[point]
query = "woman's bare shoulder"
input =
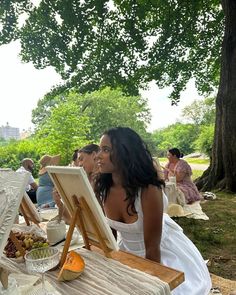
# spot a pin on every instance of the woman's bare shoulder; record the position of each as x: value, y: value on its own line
x: 151, y: 193
x: 152, y: 204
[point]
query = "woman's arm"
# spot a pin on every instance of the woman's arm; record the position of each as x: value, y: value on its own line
x: 65, y: 214
x: 152, y: 205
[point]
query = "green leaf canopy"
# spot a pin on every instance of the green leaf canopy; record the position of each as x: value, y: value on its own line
x: 78, y: 119
x: 97, y: 43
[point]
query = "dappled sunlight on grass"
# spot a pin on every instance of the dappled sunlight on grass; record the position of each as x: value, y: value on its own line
x: 197, y: 161
x: 216, y: 238
x: 189, y: 160
x: 196, y: 174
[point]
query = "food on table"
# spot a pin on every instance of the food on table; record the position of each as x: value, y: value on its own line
x: 27, y: 241
x: 72, y: 268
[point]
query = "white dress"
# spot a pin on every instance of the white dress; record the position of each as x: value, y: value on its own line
x: 177, y: 251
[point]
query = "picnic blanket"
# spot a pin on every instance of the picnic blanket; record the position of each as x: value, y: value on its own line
x: 177, y: 206
x: 187, y: 210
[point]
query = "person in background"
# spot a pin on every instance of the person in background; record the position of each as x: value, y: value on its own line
x: 130, y: 191
x: 74, y: 162
x: 45, y: 189
x: 182, y: 171
x: 86, y: 158
x: 27, y: 165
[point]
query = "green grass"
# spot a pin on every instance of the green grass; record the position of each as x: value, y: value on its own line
x: 189, y: 160
x: 163, y: 160
x: 216, y: 238
x: 198, y: 161
x: 196, y: 174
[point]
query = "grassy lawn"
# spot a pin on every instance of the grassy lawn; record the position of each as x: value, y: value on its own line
x: 189, y: 160
x: 198, y: 161
x: 216, y: 238
x: 196, y: 174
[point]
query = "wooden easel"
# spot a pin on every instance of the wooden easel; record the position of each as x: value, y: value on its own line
x: 4, y: 277
x: 27, y: 214
x: 78, y: 219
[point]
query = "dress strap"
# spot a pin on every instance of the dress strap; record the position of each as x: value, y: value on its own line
x: 138, y: 203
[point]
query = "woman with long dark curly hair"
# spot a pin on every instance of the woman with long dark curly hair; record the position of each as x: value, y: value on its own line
x: 131, y: 194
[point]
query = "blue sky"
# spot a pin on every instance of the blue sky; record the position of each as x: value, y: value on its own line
x: 22, y: 86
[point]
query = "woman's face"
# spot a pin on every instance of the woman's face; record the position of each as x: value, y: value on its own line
x: 171, y: 157
x: 104, y: 155
x: 87, y: 161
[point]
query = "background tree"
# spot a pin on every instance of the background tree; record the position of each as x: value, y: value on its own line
x: 98, y: 43
x: 177, y: 135
x: 204, y: 141
x: 104, y: 108
x: 63, y: 132
x: 15, y: 151
x: 222, y: 171
x: 78, y: 119
x: 200, y: 112
x: 3, y: 141
x: 128, y: 44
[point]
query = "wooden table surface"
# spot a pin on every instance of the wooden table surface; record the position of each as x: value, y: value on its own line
x: 169, y: 275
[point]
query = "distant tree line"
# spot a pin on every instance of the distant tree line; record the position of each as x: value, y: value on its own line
x: 195, y: 135
x: 74, y: 120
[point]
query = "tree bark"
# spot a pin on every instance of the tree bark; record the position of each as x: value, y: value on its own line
x: 222, y: 171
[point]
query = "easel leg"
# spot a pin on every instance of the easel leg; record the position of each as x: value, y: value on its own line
x: 96, y: 229
x: 4, y: 277
x: 25, y: 215
x: 81, y: 222
x: 68, y: 237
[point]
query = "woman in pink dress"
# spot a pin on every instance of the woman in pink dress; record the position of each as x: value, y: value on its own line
x: 182, y: 171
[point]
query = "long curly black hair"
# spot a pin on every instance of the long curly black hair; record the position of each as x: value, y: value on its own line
x: 134, y: 162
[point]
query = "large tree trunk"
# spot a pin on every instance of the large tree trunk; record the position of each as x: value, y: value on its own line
x: 222, y: 171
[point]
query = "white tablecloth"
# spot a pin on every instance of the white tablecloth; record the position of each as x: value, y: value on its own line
x: 102, y: 276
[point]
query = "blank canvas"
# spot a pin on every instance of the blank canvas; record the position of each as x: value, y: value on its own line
x: 71, y: 181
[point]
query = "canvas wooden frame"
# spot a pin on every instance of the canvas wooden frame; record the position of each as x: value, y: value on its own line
x: 29, y: 211
x: 27, y: 207
x: 12, y: 190
x: 12, y: 186
x: 78, y: 196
